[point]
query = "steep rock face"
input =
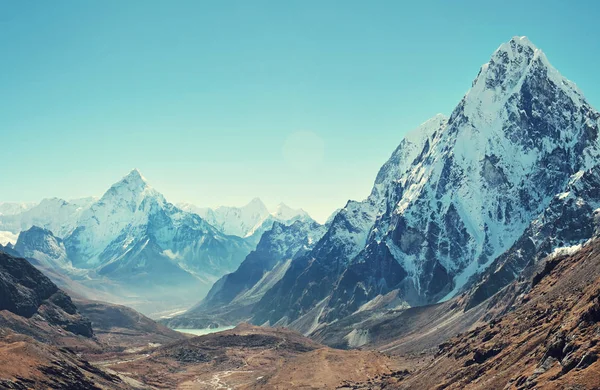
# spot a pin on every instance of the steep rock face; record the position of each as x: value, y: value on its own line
x: 572, y: 217
x: 43, y: 247
x: 458, y: 199
x: 282, y: 214
x: 509, y: 147
x: 25, y: 292
x: 280, y: 244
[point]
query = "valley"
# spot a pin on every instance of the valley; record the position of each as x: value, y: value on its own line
x: 474, y: 263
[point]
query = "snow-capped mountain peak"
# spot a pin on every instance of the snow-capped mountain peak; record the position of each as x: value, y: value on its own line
x: 508, y: 69
x: 256, y: 205
x: 127, y: 204
x: 455, y: 194
x: 131, y: 192
x: 133, y: 183
x: 250, y: 220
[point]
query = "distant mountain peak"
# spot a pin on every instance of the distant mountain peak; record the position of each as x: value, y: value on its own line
x: 258, y: 205
x: 132, y: 187
x: 135, y: 176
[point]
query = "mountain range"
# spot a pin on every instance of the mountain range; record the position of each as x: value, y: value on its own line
x: 464, y: 203
x: 249, y: 221
x: 133, y: 244
x: 473, y: 263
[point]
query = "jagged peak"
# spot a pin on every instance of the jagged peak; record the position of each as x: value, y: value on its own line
x: 132, y: 186
x: 516, y: 41
x: 283, y: 208
x: 509, y: 66
x: 135, y: 176
x: 132, y: 180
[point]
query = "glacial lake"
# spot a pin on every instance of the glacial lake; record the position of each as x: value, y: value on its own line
x: 202, y: 332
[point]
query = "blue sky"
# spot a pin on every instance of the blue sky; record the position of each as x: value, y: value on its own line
x: 217, y: 102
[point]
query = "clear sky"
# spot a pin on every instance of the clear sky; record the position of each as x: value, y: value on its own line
x: 217, y: 102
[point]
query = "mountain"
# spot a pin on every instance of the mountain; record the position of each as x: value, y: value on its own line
x: 48, y: 341
x: 134, y: 243
x: 12, y: 208
x: 27, y: 293
x: 567, y: 223
x: 456, y: 194
x: 231, y: 298
x: 116, y: 326
x: 44, y: 249
x: 237, y: 221
x: 54, y: 214
x: 314, y: 274
x: 541, y: 331
x: 133, y: 220
x: 249, y: 221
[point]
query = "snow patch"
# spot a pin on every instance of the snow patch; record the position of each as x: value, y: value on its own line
x: 8, y: 238
x: 357, y: 338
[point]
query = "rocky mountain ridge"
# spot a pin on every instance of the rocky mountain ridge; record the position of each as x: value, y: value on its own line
x: 456, y: 194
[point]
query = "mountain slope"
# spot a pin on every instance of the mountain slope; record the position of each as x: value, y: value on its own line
x: 540, y: 332
x: 570, y: 220
x: 36, y: 318
x: 231, y: 299
x: 311, y: 277
x: 12, y: 208
x: 25, y: 293
x: 462, y: 195
x: 44, y: 249
x: 133, y: 217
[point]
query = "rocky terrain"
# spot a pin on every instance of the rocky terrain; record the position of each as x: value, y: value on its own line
x: 120, y: 328
x: 443, y: 217
x: 473, y: 264
x: 48, y: 340
x: 540, y: 332
x: 40, y: 328
x: 31, y: 304
x: 250, y: 357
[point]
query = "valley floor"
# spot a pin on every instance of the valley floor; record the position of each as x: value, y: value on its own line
x: 246, y: 357
x: 540, y: 332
